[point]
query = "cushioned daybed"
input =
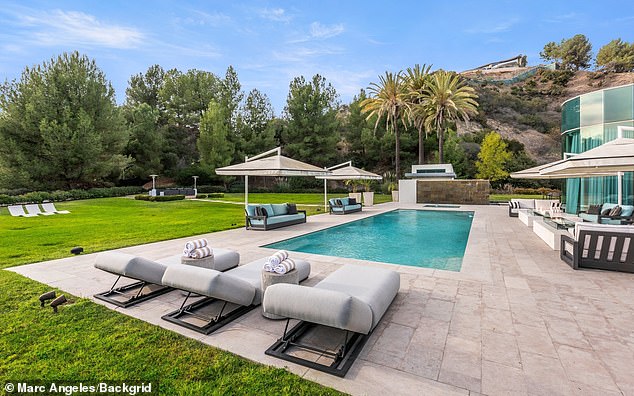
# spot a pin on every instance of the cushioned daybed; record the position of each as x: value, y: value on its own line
x: 352, y: 299
x: 148, y: 273
x: 270, y: 216
x: 343, y: 205
x: 228, y: 294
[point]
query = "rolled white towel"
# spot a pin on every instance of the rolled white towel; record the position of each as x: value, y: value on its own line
x: 196, y: 244
x: 203, y: 252
x: 268, y: 267
x: 186, y: 252
x: 287, y: 265
x: 277, y: 258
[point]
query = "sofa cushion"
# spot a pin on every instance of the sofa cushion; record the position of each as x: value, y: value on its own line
x: 279, y: 209
x: 284, y: 218
x: 345, y: 201
x: 251, y: 210
x: 593, y: 218
x: 351, y: 207
x: 269, y: 209
x: 627, y: 210
x: 594, y: 209
x: 525, y: 203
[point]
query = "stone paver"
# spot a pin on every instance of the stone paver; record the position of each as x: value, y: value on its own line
x: 515, y: 320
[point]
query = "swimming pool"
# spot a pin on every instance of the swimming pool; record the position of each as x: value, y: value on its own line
x: 419, y: 238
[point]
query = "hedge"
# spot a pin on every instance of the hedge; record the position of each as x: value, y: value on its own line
x: 160, y: 198
x: 56, y: 196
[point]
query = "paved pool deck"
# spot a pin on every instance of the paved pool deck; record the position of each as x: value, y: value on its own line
x: 516, y: 320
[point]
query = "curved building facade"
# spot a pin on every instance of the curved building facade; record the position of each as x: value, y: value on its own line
x: 588, y: 121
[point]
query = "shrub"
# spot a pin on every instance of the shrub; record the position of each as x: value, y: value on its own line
x: 163, y: 198
x: 7, y: 199
x: 201, y: 196
x: 216, y: 195
x: 212, y: 189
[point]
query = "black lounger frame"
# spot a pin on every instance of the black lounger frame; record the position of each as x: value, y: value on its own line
x: 135, y: 299
x: 346, y: 354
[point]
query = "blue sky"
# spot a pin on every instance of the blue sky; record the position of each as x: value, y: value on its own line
x: 269, y: 43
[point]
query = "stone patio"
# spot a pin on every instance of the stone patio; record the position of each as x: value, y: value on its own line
x: 515, y: 320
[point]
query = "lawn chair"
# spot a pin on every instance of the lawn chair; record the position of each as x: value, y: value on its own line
x: 18, y: 211
x: 34, y: 209
x: 50, y: 208
x: 352, y: 300
x: 599, y: 246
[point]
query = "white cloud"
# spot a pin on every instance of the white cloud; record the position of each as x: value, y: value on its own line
x: 562, y: 18
x: 317, y: 30
x: 303, y: 53
x: 205, y: 18
x: 493, y: 28
x: 59, y: 27
x: 275, y: 14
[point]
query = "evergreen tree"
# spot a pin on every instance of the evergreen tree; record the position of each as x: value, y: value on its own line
x: 145, y: 88
x: 311, y: 111
x: 255, y: 116
x: 617, y: 56
x: 216, y: 150
x: 60, y: 125
x: 574, y: 53
x: 146, y: 142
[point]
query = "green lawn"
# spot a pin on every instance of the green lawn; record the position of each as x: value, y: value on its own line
x: 89, y: 342
x: 508, y: 197
x: 300, y: 199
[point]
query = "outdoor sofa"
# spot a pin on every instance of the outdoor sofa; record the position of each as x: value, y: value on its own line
x: 600, y: 214
x: 599, y: 246
x: 270, y: 216
x: 353, y: 299
x: 343, y: 205
x: 540, y: 206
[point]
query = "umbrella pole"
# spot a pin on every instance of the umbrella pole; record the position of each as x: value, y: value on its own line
x: 619, y: 181
x: 246, y: 191
x: 325, y: 196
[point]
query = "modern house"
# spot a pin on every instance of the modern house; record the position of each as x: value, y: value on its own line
x: 588, y: 121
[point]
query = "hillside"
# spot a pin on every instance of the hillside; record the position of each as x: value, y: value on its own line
x: 530, y: 111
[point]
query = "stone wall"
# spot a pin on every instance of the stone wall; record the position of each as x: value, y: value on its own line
x: 473, y: 192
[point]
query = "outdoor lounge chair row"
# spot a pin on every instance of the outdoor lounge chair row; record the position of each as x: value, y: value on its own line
x: 352, y: 300
x: 32, y: 210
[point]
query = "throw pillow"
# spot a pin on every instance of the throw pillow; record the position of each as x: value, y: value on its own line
x: 594, y: 209
x: 352, y: 201
x: 292, y: 208
x: 338, y: 202
x: 606, y: 212
x: 258, y: 211
x: 264, y: 212
x: 616, y: 211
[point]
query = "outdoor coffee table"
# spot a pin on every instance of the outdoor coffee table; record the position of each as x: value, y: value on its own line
x: 550, y: 230
x: 272, y: 278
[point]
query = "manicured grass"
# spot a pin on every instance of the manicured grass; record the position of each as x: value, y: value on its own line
x: 102, y: 224
x: 508, y: 197
x: 88, y: 342
x: 299, y: 198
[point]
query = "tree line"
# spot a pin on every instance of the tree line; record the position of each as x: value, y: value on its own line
x: 575, y: 53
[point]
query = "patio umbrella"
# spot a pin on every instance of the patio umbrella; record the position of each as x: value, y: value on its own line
x: 611, y: 158
x: 266, y: 165
x: 345, y: 171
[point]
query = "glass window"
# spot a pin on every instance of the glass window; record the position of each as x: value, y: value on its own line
x: 619, y: 104
x: 571, y: 142
x: 591, y: 137
x: 611, y: 131
x: 570, y: 115
x: 591, y: 106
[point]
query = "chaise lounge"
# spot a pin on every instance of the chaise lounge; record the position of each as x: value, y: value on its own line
x: 352, y: 299
x: 229, y: 294
x: 148, y: 274
x: 343, y: 205
x: 270, y: 216
x: 599, y: 246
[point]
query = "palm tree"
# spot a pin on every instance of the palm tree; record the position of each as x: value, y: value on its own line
x: 415, y: 81
x: 445, y: 99
x: 387, y: 98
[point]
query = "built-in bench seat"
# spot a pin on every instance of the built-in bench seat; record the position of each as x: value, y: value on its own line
x: 343, y: 205
x: 270, y: 216
x: 542, y: 207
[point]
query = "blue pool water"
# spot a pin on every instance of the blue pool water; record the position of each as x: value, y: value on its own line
x: 419, y: 238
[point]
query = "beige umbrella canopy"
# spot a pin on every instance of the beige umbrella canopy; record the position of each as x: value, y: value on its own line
x: 265, y: 165
x: 612, y: 157
x: 345, y: 171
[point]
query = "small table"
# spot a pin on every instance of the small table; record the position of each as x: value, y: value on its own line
x: 527, y: 216
x: 559, y: 223
x: 272, y: 278
x: 551, y: 230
